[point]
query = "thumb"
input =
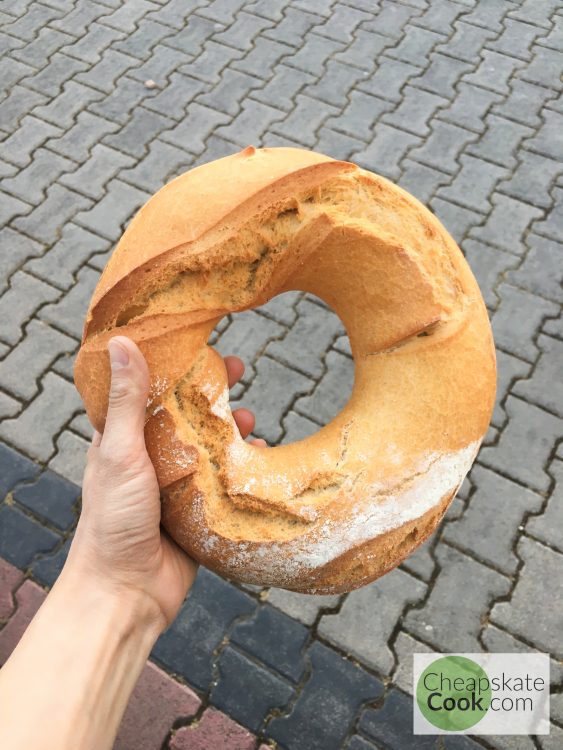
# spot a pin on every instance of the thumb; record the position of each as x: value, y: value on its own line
x: 128, y: 394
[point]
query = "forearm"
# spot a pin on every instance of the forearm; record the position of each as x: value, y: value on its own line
x: 68, y: 681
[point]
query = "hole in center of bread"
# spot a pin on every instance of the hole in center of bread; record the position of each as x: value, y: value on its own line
x: 299, y: 367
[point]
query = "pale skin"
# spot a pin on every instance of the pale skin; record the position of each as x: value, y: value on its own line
x: 68, y: 681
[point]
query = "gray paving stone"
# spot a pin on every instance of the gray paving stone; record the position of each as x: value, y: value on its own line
x: 296, y: 427
x: 335, y: 85
x: 38, y: 51
x: 20, y: 301
x: 359, y: 115
x: 251, y: 123
x: 304, y: 120
x: 315, y: 325
x: 457, y: 219
x: 342, y: 23
x: 269, y: 9
x: 545, y: 386
x: 541, y: 272
x: 364, y: 50
x: 415, y: 46
x: 280, y: 91
x: 552, y: 225
x: 514, y: 30
x: 92, y: 177
x: 313, y: 55
x: 535, y: 13
x: 473, y: 184
x: 174, y: 13
x: 26, y: 363
x: 470, y: 106
x: 246, y: 26
x: 262, y: 58
x: 421, y: 562
x: 247, y: 336
x: 386, y: 150
x: 126, y: 95
x: 228, y: 94
x: 30, y: 23
x: 333, y: 391
x: 493, y: 521
x: 294, y: 26
x: 222, y: 12
x: 32, y: 133
x: 12, y: 72
x: 525, y: 445
x: 506, y: 225
x: 498, y: 640
x: 160, y: 65
x: 337, y: 145
x: 524, y: 102
x: 392, y: 19
x: 191, y: 37
x: 545, y: 68
x: 404, y: 648
x: 108, y: 215
x: 91, y: 46
x: 18, y: 103
x: 32, y: 432
x: 17, y: 249
x: 80, y: 17
x: 78, y: 141
x: 450, y: 622
x: 194, y: 129
x: 389, y: 79
x: 69, y: 312
x: 420, y: 180
x: 126, y: 18
x: 367, y: 618
x: 142, y: 128
x: 31, y: 182
x: 67, y: 255
x: 539, y: 588
x: 11, y: 207
x: 63, y: 108
x: 553, y: 39
x: 282, y: 308
x: 524, y: 312
x: 162, y: 163
x: 547, y: 527
x: 214, y: 58
x: 489, y: 15
x: 509, y: 369
x: 276, y: 386
x: 51, y: 79
x: 174, y: 97
x: 60, y: 205
x: 141, y: 42
x: 415, y: 110
x: 9, y: 406
x: 442, y: 75
x: 103, y: 75
x: 488, y: 265
x: 467, y: 42
x: 500, y: 141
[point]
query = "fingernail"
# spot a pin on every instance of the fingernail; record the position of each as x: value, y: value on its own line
x: 118, y: 356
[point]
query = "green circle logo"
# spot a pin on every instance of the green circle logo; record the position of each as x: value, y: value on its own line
x: 453, y: 693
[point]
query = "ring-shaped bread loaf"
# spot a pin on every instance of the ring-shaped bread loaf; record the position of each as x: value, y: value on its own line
x: 340, y: 508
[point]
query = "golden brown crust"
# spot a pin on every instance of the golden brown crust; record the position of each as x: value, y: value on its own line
x: 336, y: 510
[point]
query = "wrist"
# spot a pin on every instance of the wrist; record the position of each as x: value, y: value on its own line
x: 130, y: 610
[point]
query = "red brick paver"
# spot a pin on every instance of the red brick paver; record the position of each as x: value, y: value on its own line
x: 29, y: 598
x: 214, y: 731
x: 157, y: 702
x: 10, y: 579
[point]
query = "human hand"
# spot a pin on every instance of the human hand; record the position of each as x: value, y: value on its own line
x: 118, y: 539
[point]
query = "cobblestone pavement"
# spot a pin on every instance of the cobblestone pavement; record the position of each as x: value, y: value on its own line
x: 457, y: 101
